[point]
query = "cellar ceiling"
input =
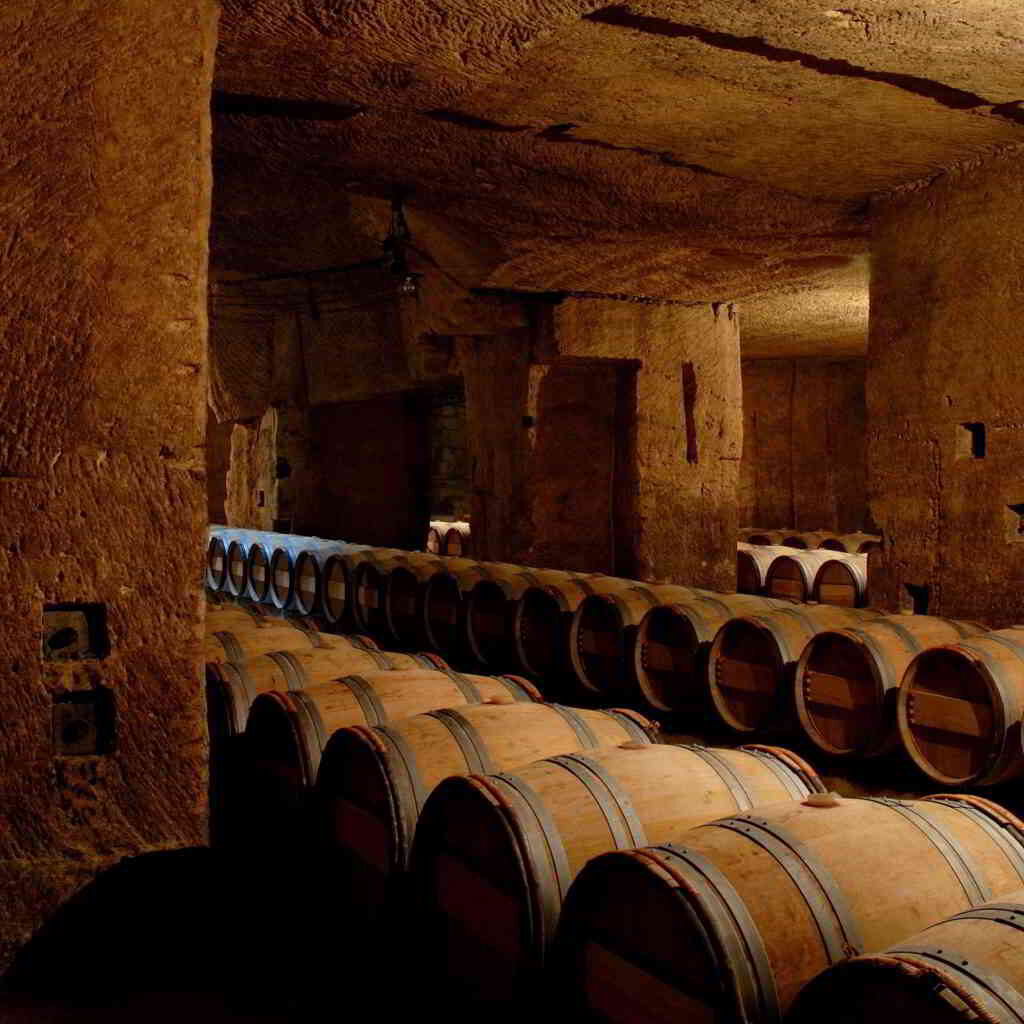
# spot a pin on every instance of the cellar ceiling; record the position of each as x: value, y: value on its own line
x: 699, y: 151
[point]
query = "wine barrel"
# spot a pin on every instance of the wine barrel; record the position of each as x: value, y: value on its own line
x: 490, y: 611
x: 847, y: 680
x: 543, y: 619
x: 284, y: 563
x: 336, y: 581
x: 792, y: 575
x: 959, y: 709
x: 368, y: 577
x: 853, y: 543
x: 752, y: 564
x: 242, y: 642
x: 602, y: 636
x: 795, y: 540
x: 732, y: 922
x: 673, y: 643
x: 403, y: 598
x: 752, y: 662
x: 236, y: 582
x: 373, y: 782
x: 290, y: 728
x: 257, y: 569
x: 231, y: 687
x: 771, y: 538
x: 444, y: 601
x: 238, y: 616
x: 494, y: 854
x: 434, y: 544
x: 310, y: 568
x: 216, y: 563
x: 968, y: 967
x: 842, y: 581
x: 457, y: 540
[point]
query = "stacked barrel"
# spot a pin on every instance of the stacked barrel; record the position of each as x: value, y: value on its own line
x: 528, y: 842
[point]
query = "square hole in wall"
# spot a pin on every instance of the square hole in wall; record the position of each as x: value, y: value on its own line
x: 75, y: 631
x: 970, y: 441
x: 83, y: 722
x: 916, y: 598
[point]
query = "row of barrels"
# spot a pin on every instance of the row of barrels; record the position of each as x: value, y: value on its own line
x: 642, y: 880
x: 444, y: 538
x: 857, y: 682
x: 851, y: 543
x: 823, y: 576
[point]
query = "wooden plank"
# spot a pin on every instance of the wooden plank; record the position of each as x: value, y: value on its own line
x: 828, y: 690
x: 745, y: 677
x: 949, y: 714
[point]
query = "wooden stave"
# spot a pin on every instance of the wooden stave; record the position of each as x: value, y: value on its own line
x: 624, y: 817
x: 781, y: 636
x: 703, y: 615
x: 957, y: 847
x: 317, y: 712
x: 752, y: 564
x: 806, y: 563
x: 381, y: 752
x: 856, y: 570
x: 447, y: 589
x: 997, y: 658
x: 887, y: 645
x: 276, y: 635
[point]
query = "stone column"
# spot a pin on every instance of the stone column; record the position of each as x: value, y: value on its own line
x: 104, y: 212
x: 945, y: 365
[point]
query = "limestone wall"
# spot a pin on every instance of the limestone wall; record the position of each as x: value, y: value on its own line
x: 804, y: 444
x: 103, y: 341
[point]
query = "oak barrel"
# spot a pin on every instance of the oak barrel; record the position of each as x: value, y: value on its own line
x: 968, y: 967
x: 847, y: 680
x: 491, y: 607
x: 216, y: 563
x: 275, y: 634
x: 543, y: 619
x: 752, y: 564
x: 373, y: 782
x: 772, y: 538
x: 457, y: 540
x: 603, y: 633
x: 231, y: 687
x: 791, y: 575
x: 731, y: 923
x: 673, y: 643
x: 842, y: 580
x: 290, y: 728
x: 434, y: 544
x: 959, y: 709
x: 444, y: 602
x: 402, y: 595
x: 494, y: 855
x: 853, y: 543
x: 752, y: 663
x: 236, y: 582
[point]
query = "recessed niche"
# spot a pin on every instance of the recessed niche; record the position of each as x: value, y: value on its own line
x: 970, y: 441
x: 916, y: 598
x: 75, y: 631
x: 83, y: 722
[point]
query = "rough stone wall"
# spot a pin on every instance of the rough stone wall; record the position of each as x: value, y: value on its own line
x: 218, y: 459
x: 102, y: 336
x: 804, y: 444
x: 688, y: 429
x: 373, y: 458
x: 946, y: 348
x: 252, y: 500
x: 448, y: 489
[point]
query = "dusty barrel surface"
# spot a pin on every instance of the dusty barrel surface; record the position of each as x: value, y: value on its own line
x: 969, y: 967
x: 602, y: 636
x: 673, y: 643
x: 751, y: 667
x: 960, y: 707
x: 491, y: 606
x: 374, y: 782
x: 853, y: 543
x: 847, y: 680
x: 290, y: 728
x: 403, y: 593
x: 744, y: 911
x: 842, y: 580
x: 232, y: 687
x: 495, y: 854
x: 240, y: 616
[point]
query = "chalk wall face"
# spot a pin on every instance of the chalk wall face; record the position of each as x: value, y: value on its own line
x: 945, y: 365
x: 103, y: 340
x: 804, y: 444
